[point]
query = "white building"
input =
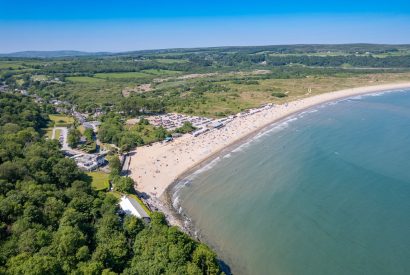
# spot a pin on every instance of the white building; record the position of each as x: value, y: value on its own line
x: 132, y: 207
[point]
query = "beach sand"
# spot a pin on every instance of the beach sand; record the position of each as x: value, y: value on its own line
x: 154, y: 168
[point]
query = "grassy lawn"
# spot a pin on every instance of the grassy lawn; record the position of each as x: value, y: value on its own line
x: 57, y: 134
x: 61, y: 120
x: 100, y: 180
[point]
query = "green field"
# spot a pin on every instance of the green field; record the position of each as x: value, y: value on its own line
x: 158, y: 72
x: 121, y: 75
x: 149, y: 73
x: 100, y: 180
x: 61, y: 120
x: 84, y: 79
x: 11, y: 65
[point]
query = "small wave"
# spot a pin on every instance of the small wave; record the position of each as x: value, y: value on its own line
x: 272, y: 128
x: 227, y: 156
x: 376, y: 94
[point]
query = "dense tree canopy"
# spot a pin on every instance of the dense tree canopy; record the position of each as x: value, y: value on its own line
x: 53, y: 222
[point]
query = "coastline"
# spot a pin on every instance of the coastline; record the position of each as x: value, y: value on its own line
x: 184, y: 156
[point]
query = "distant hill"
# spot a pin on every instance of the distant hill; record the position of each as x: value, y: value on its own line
x: 359, y: 48
x: 51, y: 54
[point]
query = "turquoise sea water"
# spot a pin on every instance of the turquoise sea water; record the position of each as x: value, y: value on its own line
x: 325, y: 192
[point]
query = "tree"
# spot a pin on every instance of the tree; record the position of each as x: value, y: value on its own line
x: 132, y: 226
x: 187, y: 127
x: 36, y: 264
x: 89, y: 134
x: 91, y: 268
x: 66, y: 171
x: 53, y: 222
x: 205, y: 259
x: 123, y: 184
x: 67, y: 241
x: 143, y: 121
x: 115, y: 165
x: 160, y: 133
x: 74, y: 137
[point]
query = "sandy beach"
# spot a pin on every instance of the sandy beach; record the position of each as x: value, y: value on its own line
x: 154, y: 168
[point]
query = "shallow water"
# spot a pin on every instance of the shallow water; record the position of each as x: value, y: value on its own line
x: 327, y: 192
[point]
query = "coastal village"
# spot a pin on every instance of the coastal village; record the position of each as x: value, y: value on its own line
x: 204, y: 138
x: 156, y: 166
x: 97, y: 162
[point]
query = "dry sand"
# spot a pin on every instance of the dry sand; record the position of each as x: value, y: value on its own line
x: 156, y: 167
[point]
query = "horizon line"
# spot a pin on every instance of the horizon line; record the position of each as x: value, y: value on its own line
x: 202, y: 47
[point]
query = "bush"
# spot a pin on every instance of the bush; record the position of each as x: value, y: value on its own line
x: 279, y: 94
x: 187, y: 127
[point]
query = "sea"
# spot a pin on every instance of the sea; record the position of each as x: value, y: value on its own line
x: 326, y: 191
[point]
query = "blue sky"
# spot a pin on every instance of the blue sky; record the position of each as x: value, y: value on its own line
x: 108, y: 25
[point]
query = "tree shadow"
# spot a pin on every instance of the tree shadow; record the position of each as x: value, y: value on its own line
x: 125, y: 173
x: 224, y: 267
x: 143, y: 195
x: 86, y: 178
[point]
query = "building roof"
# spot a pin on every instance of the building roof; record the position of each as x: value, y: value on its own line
x: 131, y: 206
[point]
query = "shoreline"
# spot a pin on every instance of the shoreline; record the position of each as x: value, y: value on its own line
x: 197, y: 152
